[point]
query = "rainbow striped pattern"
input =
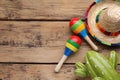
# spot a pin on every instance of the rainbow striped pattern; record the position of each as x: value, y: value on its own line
x: 72, y: 45
x: 102, y: 30
x: 92, y: 34
x: 78, y: 27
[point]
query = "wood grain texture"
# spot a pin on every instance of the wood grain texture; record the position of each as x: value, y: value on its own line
x: 38, y: 72
x: 39, y: 42
x: 38, y: 34
x: 43, y: 9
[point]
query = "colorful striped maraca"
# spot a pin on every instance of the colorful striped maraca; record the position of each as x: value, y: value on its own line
x: 72, y: 46
x: 78, y: 27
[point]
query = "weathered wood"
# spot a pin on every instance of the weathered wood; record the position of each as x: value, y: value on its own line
x: 35, y: 40
x: 38, y: 72
x: 44, y: 54
x: 43, y: 9
x: 39, y: 42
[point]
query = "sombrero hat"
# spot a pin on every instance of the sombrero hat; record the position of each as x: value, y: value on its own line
x: 103, y: 21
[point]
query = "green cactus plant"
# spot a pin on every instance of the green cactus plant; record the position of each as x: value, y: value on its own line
x: 118, y: 0
x: 98, y: 67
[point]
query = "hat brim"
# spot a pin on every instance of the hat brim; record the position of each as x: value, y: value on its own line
x: 91, y: 14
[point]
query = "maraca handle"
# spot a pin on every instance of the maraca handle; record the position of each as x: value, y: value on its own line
x: 98, y: 1
x: 60, y: 63
x: 91, y: 43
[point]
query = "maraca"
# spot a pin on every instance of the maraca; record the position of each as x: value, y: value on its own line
x: 72, y: 46
x: 78, y: 27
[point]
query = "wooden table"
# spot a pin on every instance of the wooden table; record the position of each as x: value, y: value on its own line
x: 33, y: 35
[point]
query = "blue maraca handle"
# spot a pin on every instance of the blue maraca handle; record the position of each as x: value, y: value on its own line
x: 68, y: 52
x: 83, y: 33
x: 97, y: 1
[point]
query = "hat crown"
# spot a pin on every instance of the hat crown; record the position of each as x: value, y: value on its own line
x: 110, y: 18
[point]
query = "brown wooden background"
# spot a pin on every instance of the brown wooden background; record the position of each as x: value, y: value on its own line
x: 33, y: 35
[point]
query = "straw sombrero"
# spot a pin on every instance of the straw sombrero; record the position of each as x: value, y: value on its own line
x: 103, y: 21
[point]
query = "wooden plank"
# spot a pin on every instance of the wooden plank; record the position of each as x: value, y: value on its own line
x: 45, y: 54
x: 38, y: 72
x: 43, y: 9
x: 39, y: 42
